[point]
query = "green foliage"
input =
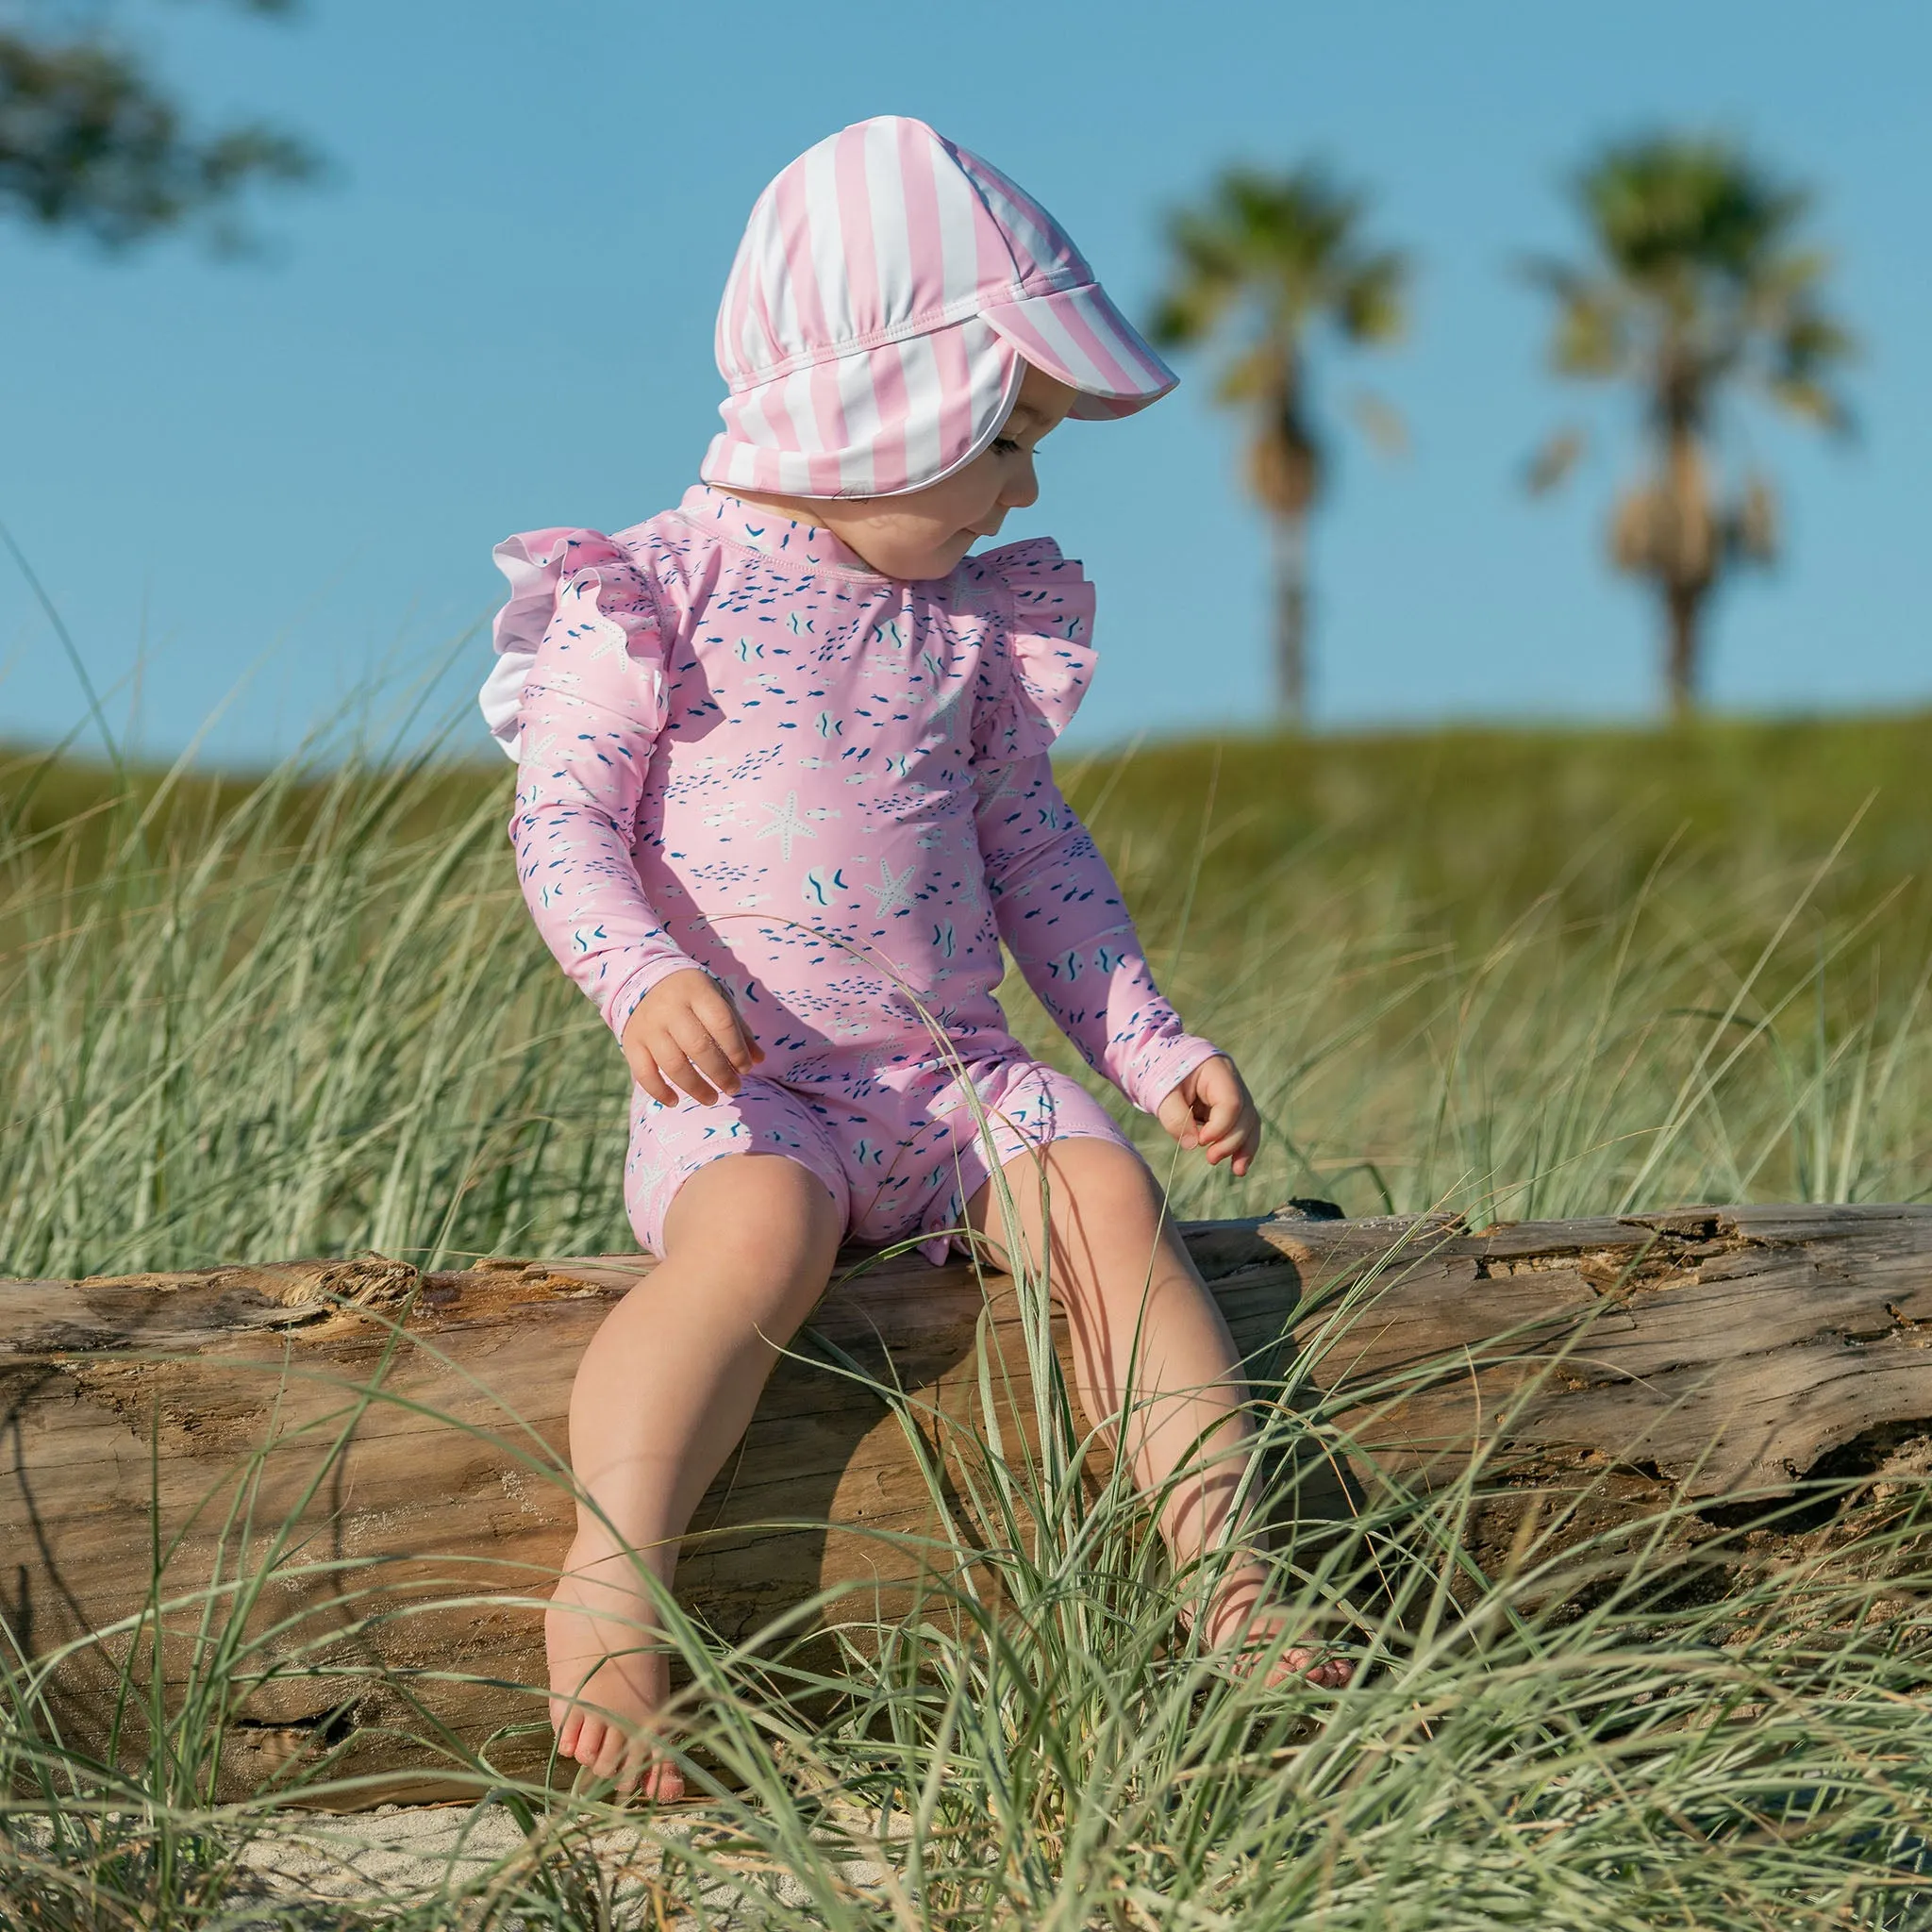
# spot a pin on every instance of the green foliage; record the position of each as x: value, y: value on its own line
x: 1287, y: 250
x: 1256, y: 269
x: 1551, y: 972
x: 89, y: 142
x: 1698, y: 275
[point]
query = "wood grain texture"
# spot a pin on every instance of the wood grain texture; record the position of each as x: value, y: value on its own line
x: 409, y: 1426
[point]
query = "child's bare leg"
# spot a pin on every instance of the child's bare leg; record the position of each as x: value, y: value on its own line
x: 1111, y: 1248
x: 662, y: 1394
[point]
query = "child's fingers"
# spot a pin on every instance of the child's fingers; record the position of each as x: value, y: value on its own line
x: 667, y: 1057
x: 705, y: 1053
x: 676, y: 1065
x: 1177, y: 1117
x: 1238, y: 1154
x: 1237, y: 1125
x: 643, y: 1070
x: 1224, y: 1119
x: 1237, y: 1148
x: 720, y: 1019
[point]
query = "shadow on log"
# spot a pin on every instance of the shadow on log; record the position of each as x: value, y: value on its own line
x: 361, y: 1457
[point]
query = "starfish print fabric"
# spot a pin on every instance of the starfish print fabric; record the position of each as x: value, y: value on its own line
x: 741, y: 749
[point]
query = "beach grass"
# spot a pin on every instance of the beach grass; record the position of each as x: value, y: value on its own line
x: 1541, y: 972
x: 1508, y: 973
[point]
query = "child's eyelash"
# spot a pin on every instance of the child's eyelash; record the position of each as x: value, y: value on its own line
x: 1006, y: 445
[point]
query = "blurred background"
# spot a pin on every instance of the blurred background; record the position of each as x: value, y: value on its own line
x: 247, y: 484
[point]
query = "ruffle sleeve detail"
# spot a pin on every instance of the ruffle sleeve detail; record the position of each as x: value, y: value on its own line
x: 1043, y: 605
x: 590, y: 590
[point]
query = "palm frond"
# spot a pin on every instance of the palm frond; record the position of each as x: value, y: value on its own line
x: 1368, y: 305
x: 1665, y: 205
x: 1259, y: 374
x: 1554, y: 460
x: 1260, y: 262
x: 1753, y: 527
x: 1592, y: 333
x: 1813, y: 403
x: 1380, y: 422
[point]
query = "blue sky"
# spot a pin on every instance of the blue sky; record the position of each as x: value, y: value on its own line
x: 264, y: 482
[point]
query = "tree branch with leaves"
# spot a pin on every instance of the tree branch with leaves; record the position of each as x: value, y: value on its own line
x: 91, y: 143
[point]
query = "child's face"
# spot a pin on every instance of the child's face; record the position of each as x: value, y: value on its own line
x: 926, y: 532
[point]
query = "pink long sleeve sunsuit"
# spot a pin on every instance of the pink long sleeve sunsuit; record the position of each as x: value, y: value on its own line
x: 744, y: 750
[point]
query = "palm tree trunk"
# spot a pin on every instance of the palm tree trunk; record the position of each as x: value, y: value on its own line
x: 1684, y: 608
x: 1691, y: 561
x: 1290, y: 545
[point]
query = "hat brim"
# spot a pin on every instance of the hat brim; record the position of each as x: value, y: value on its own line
x: 1078, y: 336
x: 898, y: 416
x: 882, y: 421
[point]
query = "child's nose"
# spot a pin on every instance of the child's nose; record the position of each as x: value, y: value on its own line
x: 1021, y: 490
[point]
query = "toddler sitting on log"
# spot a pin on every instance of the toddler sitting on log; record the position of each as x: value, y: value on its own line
x: 783, y: 789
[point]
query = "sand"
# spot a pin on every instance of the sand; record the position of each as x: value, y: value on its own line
x: 400, y: 1854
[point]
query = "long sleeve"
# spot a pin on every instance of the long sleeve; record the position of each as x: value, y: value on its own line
x: 590, y: 708
x: 1058, y: 909
x: 1061, y: 917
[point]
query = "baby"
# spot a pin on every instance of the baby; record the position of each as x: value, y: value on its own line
x: 783, y: 787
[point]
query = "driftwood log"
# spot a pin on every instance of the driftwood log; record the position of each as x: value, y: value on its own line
x: 409, y: 1426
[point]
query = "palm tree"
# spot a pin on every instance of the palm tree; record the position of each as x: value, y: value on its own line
x: 1698, y: 284
x: 1261, y: 264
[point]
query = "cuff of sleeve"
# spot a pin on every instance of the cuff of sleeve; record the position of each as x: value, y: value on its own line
x: 1163, y: 1067
x: 632, y: 988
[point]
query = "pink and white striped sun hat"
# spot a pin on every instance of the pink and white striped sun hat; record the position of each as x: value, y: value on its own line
x: 889, y: 291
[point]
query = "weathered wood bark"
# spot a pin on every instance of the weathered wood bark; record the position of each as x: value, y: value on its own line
x: 411, y: 1427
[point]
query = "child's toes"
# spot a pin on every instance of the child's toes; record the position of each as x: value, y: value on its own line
x: 1330, y: 1672
x: 615, y: 1757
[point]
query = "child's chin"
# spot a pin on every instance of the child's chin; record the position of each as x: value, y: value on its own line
x: 941, y: 562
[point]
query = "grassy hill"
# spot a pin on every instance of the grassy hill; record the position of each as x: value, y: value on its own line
x: 1546, y: 970
x: 1481, y: 820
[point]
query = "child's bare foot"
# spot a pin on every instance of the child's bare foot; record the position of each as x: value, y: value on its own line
x: 608, y: 1680
x: 1240, y: 1621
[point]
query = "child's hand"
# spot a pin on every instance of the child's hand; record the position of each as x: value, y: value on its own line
x: 1210, y: 1109
x: 686, y: 1033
